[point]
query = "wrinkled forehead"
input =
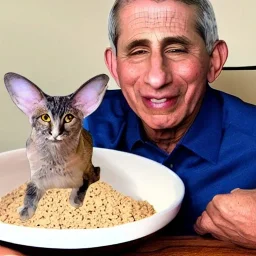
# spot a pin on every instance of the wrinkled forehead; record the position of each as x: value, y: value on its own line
x: 173, y: 16
x: 154, y: 18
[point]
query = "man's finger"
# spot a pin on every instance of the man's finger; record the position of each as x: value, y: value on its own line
x: 219, y: 216
x: 204, y: 225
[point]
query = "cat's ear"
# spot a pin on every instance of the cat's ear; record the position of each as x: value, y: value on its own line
x: 89, y: 96
x: 25, y: 94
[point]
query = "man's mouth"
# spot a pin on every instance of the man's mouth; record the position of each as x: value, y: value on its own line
x: 163, y: 103
x: 158, y: 100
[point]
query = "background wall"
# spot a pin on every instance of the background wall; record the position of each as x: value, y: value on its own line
x: 236, y: 23
x: 60, y: 44
x: 57, y: 44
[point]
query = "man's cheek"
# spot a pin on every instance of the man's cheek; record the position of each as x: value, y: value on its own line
x: 129, y: 76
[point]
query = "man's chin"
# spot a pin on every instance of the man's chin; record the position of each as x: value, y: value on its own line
x: 160, y: 123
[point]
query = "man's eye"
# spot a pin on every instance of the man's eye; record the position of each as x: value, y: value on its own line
x: 139, y: 52
x: 176, y: 50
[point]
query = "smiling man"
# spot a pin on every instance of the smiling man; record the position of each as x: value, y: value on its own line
x: 163, y: 56
x: 161, y: 66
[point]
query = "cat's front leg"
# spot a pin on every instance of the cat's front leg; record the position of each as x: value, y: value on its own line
x: 77, y: 194
x: 32, y: 197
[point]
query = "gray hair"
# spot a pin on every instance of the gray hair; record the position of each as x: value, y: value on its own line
x: 206, y: 24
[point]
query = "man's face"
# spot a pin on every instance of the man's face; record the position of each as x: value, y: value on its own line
x: 162, y: 62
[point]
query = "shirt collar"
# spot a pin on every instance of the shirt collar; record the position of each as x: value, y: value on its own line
x: 204, y: 136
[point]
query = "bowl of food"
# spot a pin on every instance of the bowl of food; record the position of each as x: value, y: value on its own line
x: 134, y: 198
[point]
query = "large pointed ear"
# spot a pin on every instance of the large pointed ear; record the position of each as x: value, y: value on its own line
x: 25, y: 94
x: 89, y: 96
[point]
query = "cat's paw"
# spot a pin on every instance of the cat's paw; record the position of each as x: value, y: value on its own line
x: 76, y: 198
x: 75, y: 201
x: 25, y: 212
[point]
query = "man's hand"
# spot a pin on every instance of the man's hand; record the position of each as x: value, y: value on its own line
x: 8, y: 252
x: 231, y: 217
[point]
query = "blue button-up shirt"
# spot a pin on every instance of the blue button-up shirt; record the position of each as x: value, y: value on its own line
x: 216, y: 155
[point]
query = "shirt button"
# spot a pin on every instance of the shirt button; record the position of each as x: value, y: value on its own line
x: 171, y: 166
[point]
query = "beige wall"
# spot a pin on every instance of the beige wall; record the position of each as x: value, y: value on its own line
x: 59, y: 44
x: 236, y: 22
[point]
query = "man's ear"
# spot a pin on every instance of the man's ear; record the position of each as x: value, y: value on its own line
x: 111, y: 63
x: 218, y: 58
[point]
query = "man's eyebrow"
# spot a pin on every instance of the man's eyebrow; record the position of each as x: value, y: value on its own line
x: 176, y: 40
x: 138, y: 42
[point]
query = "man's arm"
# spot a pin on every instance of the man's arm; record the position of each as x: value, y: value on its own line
x: 231, y: 217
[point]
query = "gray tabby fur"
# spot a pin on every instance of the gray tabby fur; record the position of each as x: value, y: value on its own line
x: 59, y: 152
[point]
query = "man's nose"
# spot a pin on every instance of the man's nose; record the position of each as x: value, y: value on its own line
x: 158, y: 73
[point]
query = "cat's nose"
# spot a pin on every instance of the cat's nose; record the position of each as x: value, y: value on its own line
x: 55, y: 133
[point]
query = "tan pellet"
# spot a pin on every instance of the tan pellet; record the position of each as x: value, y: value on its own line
x: 103, y: 207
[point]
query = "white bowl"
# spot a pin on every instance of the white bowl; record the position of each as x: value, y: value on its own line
x: 129, y: 174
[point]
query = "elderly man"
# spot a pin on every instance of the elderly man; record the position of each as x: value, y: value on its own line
x: 163, y: 56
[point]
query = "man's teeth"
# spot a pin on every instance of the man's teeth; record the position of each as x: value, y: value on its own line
x: 158, y: 101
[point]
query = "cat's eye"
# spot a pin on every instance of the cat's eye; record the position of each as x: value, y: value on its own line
x: 68, y: 118
x: 46, y: 118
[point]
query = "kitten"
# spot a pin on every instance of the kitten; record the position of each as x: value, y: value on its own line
x: 59, y: 150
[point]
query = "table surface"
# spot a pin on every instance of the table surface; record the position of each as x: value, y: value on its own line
x: 156, y: 245
x: 188, y: 246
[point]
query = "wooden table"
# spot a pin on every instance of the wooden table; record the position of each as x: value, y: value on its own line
x: 188, y: 246
x: 156, y: 245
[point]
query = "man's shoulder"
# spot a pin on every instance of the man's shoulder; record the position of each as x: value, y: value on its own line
x: 239, y: 114
x: 107, y: 122
x: 114, y: 94
x: 112, y: 105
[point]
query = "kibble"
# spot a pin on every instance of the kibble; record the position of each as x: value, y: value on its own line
x: 103, y: 207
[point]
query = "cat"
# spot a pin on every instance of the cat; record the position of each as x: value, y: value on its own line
x: 59, y: 149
